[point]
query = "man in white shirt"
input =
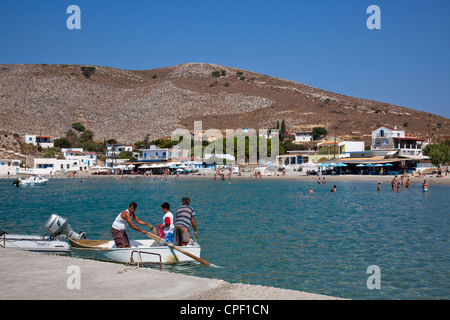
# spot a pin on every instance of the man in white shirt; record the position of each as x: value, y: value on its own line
x: 167, y: 226
x: 120, y: 223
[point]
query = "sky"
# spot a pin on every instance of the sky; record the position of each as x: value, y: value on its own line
x: 322, y: 43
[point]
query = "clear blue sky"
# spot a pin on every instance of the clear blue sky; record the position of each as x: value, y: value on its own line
x: 322, y: 43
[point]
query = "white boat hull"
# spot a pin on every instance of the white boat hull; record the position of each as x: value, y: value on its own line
x: 34, y: 243
x: 31, y: 181
x: 142, y: 252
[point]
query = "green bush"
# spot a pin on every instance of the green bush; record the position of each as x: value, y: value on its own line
x: 88, y: 71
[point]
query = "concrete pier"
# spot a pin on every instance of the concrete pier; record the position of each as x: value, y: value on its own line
x: 37, y: 276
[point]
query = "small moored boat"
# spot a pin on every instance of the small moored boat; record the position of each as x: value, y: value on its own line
x: 146, y: 251
x: 34, y: 243
x: 31, y: 181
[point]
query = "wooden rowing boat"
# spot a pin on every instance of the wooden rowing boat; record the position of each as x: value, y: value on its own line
x: 142, y: 251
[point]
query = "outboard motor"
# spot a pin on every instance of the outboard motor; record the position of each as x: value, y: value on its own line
x: 57, y: 225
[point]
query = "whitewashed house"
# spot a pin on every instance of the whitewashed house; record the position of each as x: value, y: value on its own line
x: 303, y: 136
x: 52, y: 165
x: 113, y: 150
x: 154, y: 154
x: 395, y: 140
x: 43, y: 141
x: 86, y: 159
x: 9, y: 167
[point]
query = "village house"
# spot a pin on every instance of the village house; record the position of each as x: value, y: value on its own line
x: 87, y: 159
x: 113, y: 150
x: 42, y: 141
x: 9, y: 167
x: 335, y: 148
x: 53, y: 165
x: 395, y: 140
x: 303, y: 136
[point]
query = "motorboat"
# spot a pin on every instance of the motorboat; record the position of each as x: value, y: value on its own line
x: 57, y: 226
x: 34, y: 243
x: 147, y: 251
x: 31, y: 181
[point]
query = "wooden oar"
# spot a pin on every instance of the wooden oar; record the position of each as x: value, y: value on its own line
x: 162, y: 241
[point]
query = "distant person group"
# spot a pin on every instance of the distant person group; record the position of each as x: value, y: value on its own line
x: 172, y: 231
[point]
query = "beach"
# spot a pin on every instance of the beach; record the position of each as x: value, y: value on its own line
x: 289, y: 175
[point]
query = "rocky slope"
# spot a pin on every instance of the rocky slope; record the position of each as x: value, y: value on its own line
x: 127, y: 105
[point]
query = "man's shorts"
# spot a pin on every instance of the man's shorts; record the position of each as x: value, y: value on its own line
x: 120, y: 238
x: 169, y: 237
x: 181, y: 235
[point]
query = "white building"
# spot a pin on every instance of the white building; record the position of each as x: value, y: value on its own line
x: 395, y: 140
x: 87, y: 159
x: 10, y: 166
x: 113, y: 150
x: 52, y: 165
x: 154, y: 154
x: 303, y: 136
x: 43, y: 141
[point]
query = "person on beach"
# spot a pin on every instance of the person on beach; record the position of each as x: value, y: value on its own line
x: 324, y: 181
x: 379, y: 186
x: 425, y: 186
x: 185, y: 218
x: 167, y: 227
x: 398, y: 186
x: 120, y: 223
x: 407, y: 184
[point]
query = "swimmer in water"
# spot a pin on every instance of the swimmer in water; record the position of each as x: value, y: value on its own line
x: 425, y: 186
x: 379, y: 186
x: 311, y: 190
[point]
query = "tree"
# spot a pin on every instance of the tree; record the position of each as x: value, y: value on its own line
x: 87, y: 135
x: 62, y: 143
x: 78, y: 126
x: 439, y: 153
x: 282, y: 130
x: 88, y: 71
x: 319, y: 132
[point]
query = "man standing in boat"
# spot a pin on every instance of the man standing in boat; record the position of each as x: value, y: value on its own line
x: 185, y: 217
x: 120, y: 224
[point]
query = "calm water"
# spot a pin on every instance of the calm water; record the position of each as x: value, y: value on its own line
x: 271, y: 233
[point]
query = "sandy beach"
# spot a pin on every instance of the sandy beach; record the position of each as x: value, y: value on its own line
x: 431, y: 178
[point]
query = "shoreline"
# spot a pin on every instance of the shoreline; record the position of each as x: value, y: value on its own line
x: 431, y: 179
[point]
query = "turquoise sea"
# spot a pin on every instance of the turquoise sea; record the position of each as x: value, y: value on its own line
x: 270, y: 232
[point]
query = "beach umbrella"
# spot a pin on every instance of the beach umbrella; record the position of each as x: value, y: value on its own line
x: 369, y: 165
x: 324, y: 165
x: 360, y: 165
x: 340, y: 164
x: 389, y: 165
x: 378, y: 165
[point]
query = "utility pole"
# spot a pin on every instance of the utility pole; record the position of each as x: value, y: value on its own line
x: 429, y: 133
x: 334, y: 149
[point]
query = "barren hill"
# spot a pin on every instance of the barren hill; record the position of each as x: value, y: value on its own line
x: 127, y: 105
